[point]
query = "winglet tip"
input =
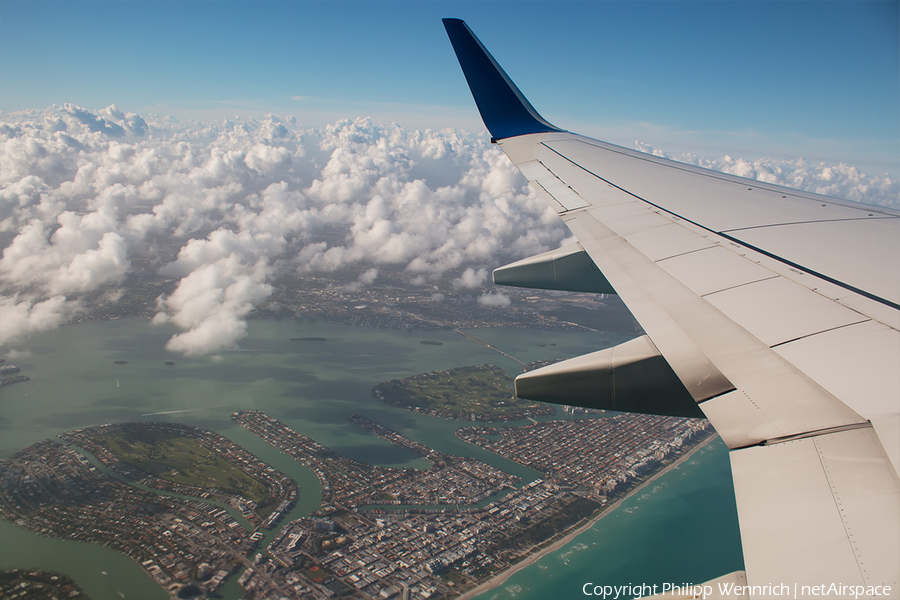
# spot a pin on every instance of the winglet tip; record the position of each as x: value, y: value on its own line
x: 504, y: 109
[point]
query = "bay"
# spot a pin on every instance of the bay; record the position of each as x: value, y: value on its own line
x: 101, y: 572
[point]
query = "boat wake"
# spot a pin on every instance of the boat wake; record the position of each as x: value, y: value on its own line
x: 171, y: 412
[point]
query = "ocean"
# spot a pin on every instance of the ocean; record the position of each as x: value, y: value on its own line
x: 679, y: 529
x: 686, y: 528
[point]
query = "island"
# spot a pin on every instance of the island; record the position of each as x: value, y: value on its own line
x: 475, y: 393
x: 8, y: 377
x: 185, y: 503
x: 14, y: 379
x: 23, y: 584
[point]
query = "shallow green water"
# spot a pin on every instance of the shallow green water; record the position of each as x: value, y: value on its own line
x: 85, y: 563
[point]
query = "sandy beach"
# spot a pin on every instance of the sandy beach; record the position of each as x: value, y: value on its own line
x: 501, y: 577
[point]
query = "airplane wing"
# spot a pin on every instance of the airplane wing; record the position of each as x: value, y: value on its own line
x: 774, y: 313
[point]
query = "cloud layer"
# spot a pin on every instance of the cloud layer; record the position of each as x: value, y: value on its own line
x: 91, y: 198
x: 841, y: 180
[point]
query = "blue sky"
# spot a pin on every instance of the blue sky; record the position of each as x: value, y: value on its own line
x: 780, y: 79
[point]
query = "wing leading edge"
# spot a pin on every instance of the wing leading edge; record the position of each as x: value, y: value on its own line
x: 775, y: 312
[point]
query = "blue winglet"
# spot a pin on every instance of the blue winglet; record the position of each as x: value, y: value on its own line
x: 504, y: 110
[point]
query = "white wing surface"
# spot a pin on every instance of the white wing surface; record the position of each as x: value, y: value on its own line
x: 775, y: 312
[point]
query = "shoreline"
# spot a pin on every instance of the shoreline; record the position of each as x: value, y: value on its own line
x: 503, y: 576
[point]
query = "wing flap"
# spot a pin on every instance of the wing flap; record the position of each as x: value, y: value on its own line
x: 857, y: 364
x: 630, y: 217
x: 669, y: 241
x: 551, y: 186
x: 817, y: 508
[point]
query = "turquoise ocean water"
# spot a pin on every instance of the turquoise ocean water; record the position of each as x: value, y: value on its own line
x: 687, y: 526
x: 681, y: 528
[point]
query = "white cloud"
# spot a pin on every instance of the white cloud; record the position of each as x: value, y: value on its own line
x: 213, y: 297
x: 79, y: 256
x: 89, y: 196
x: 841, y: 180
x: 470, y: 279
x: 494, y: 300
x: 368, y: 277
x: 365, y: 278
x: 20, y: 318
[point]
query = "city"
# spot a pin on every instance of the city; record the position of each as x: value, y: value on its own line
x: 379, y: 532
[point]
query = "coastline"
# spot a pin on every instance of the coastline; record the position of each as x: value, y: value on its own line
x: 529, y: 560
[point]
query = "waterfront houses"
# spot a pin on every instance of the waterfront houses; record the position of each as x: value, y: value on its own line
x: 451, y: 480
x: 433, y: 549
x: 584, y: 453
x: 54, y: 490
x: 379, y: 532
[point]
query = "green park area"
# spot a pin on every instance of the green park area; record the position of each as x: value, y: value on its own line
x: 484, y: 390
x: 182, y: 460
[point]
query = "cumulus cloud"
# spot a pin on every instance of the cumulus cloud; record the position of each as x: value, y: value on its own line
x: 221, y: 282
x: 470, y: 279
x: 90, y: 198
x: 841, y: 180
x: 20, y: 318
x: 78, y: 256
x: 494, y: 300
x: 224, y: 208
x: 367, y: 277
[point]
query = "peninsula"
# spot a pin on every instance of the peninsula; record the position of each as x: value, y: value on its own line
x: 165, y: 494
